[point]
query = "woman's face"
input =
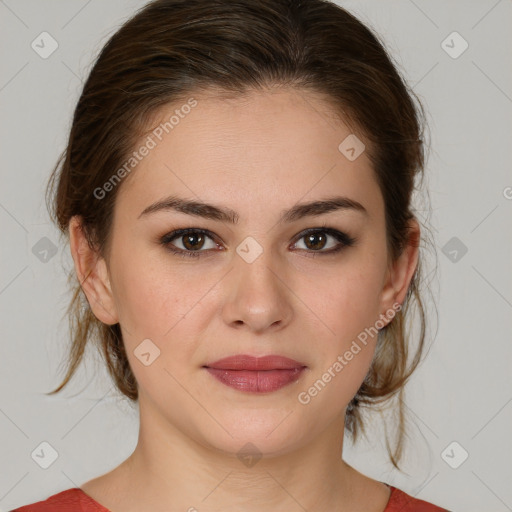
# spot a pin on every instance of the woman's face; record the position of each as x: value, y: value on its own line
x: 256, y: 286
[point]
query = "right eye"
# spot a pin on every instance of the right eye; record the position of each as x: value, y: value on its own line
x: 192, y: 241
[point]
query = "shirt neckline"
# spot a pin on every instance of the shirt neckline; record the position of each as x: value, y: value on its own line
x: 102, y: 508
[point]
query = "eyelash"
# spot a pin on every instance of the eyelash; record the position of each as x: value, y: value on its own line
x: 344, y: 239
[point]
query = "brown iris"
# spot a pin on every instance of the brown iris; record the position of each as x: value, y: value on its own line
x: 317, y: 240
x: 193, y: 241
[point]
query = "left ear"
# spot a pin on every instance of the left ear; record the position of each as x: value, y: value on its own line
x: 401, y: 271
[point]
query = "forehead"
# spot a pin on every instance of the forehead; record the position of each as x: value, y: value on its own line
x: 250, y: 151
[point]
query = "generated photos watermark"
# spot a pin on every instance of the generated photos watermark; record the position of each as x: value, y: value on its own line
x: 144, y: 150
x: 343, y: 360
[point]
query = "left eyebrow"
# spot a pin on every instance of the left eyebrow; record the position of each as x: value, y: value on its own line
x: 210, y: 211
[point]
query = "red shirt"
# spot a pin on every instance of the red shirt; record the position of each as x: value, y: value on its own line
x: 75, y: 500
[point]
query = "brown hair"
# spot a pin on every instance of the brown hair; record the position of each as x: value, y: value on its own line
x: 172, y: 48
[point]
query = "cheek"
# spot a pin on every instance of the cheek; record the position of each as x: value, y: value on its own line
x: 348, y: 303
x: 151, y: 293
x: 160, y: 308
x: 156, y: 303
x: 347, y: 300
x: 344, y: 352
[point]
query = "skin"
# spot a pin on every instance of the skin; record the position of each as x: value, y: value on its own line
x: 258, y: 155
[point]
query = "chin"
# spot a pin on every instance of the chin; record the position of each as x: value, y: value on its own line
x: 267, y: 433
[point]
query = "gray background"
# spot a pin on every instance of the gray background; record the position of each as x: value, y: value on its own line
x: 463, y: 390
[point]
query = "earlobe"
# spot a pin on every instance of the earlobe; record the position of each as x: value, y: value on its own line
x: 402, y: 270
x: 92, y: 273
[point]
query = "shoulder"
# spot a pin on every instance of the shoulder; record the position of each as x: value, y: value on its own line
x: 399, y: 501
x: 70, y: 500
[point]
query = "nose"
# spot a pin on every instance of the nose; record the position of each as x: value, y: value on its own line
x: 258, y: 295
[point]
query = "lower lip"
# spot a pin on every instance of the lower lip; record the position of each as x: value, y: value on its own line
x: 256, y: 381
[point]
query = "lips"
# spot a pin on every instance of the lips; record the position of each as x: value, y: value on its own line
x: 256, y: 374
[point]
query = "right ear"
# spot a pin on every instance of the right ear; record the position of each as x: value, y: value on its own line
x: 92, y: 273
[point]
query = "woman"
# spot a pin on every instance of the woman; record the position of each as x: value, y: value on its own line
x: 237, y: 193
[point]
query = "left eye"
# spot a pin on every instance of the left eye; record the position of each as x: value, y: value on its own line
x: 317, y: 240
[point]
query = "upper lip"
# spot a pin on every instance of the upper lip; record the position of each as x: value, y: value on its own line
x: 246, y: 362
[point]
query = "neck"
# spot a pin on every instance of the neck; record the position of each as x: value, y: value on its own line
x: 169, y: 470
x: 172, y: 470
